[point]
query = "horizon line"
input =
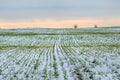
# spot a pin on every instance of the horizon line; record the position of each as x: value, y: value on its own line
x: 51, y: 23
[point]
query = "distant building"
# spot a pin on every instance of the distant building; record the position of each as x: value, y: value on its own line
x: 75, y: 26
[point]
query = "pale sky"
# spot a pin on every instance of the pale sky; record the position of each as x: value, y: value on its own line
x: 59, y: 13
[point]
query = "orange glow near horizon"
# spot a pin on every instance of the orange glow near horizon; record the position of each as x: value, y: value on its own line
x: 48, y: 23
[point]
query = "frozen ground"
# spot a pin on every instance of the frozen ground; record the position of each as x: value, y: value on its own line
x: 60, y: 54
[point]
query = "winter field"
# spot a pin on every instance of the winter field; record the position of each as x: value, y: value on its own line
x: 60, y: 54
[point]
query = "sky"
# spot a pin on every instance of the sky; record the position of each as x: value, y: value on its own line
x: 59, y: 13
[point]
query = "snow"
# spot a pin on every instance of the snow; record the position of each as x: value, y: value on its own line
x: 61, y: 55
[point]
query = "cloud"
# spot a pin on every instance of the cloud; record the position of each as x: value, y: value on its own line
x: 58, y: 9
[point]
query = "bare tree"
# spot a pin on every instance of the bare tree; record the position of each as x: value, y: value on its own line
x: 96, y: 26
x: 75, y: 26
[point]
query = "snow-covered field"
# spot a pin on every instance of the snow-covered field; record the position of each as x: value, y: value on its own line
x: 60, y: 54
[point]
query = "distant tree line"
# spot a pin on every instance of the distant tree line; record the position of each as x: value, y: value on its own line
x: 75, y: 26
